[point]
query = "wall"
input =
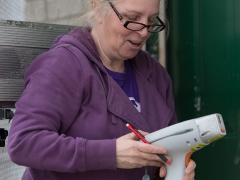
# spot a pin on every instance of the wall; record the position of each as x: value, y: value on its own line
x: 13, y: 9
x: 47, y: 11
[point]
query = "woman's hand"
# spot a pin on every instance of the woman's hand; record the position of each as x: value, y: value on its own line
x: 189, y: 171
x: 130, y: 153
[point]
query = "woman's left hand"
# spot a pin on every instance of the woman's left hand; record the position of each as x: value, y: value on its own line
x: 189, y: 171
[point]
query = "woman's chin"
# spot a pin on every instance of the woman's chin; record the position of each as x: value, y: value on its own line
x: 129, y: 55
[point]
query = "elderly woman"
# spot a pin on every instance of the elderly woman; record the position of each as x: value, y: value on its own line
x: 70, y: 121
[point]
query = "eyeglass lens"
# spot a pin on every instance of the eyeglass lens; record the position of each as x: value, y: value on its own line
x: 136, y: 26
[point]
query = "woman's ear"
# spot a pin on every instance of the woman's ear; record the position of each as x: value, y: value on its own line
x: 97, y: 15
x: 93, y: 5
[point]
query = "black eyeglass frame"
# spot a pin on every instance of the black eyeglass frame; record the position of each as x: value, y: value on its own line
x: 162, y: 25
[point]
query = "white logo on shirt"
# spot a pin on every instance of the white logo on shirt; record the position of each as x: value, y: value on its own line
x: 135, y: 103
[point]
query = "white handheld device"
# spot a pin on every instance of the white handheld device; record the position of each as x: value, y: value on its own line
x: 182, y: 139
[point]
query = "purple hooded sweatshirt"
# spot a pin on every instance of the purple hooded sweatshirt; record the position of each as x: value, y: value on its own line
x: 71, y: 112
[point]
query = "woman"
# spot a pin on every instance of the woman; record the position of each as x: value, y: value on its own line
x: 70, y: 121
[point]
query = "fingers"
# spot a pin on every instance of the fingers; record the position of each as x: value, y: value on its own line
x: 134, y: 154
x: 143, y: 132
x: 132, y: 157
x: 132, y: 136
x: 156, y: 148
x: 137, y: 160
x: 163, y: 171
x: 191, y: 166
x: 152, y: 152
x: 147, y: 158
x: 189, y: 172
x: 146, y: 148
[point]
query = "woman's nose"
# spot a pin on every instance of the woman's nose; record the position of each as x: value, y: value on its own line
x: 143, y: 32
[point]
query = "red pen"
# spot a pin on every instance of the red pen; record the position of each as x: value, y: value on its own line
x: 138, y: 134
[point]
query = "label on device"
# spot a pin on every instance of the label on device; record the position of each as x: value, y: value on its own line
x: 198, y: 146
x: 215, y: 139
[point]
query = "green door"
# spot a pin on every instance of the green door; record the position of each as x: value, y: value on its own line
x: 204, y: 63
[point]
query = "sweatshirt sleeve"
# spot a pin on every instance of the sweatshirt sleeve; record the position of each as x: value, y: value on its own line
x: 54, y: 89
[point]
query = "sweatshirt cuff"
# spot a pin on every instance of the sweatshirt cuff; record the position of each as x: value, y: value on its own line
x: 100, y: 154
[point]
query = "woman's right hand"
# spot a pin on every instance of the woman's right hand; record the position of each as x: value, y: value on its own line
x: 131, y: 153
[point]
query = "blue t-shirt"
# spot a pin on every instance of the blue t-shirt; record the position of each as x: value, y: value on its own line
x: 128, y: 83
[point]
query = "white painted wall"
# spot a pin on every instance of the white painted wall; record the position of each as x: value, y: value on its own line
x: 45, y: 11
x: 53, y: 11
x: 12, y: 9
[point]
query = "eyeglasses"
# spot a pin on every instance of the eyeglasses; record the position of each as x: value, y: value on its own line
x: 136, y: 26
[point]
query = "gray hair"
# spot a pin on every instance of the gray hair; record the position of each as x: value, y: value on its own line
x: 88, y: 16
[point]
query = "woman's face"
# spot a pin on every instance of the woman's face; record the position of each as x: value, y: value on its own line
x: 119, y: 43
